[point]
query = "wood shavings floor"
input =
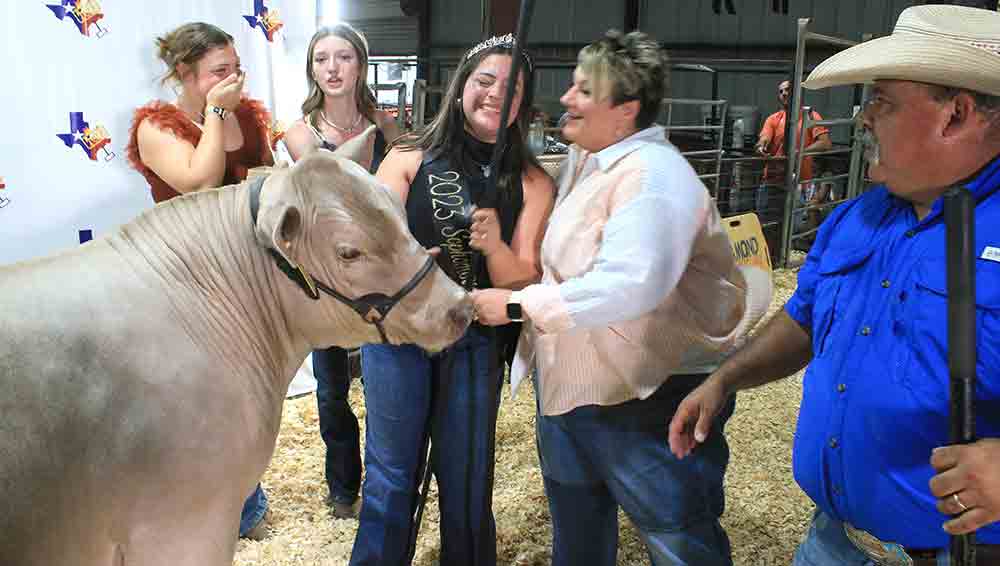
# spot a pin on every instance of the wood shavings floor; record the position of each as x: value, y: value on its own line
x: 766, y: 513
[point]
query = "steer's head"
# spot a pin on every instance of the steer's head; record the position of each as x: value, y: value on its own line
x: 329, y: 216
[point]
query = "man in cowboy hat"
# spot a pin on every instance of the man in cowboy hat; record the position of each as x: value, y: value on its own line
x: 869, y: 315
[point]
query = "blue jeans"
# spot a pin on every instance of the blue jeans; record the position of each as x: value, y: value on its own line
x: 595, y: 459
x: 337, y: 424
x: 827, y: 544
x: 453, y: 398
x: 254, y: 509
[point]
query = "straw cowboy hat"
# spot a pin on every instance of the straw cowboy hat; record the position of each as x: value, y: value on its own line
x: 945, y: 45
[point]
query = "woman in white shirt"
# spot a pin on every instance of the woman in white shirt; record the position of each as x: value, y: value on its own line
x: 639, y: 299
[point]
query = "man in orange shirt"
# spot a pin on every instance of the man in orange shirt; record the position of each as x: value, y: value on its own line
x: 772, y: 140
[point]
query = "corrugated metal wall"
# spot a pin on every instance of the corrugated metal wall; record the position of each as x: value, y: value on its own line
x: 456, y: 22
x: 689, y: 29
x: 387, y: 29
x: 573, y: 21
x: 677, y: 22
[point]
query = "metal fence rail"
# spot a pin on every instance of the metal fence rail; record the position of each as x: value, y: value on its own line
x: 420, y: 92
x: 400, y: 89
x: 814, y: 197
x: 797, y: 113
x: 713, y: 131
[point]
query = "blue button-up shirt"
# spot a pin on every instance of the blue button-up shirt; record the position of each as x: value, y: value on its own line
x: 875, y: 397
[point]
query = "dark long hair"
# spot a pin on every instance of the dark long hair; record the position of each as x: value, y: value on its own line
x: 445, y: 134
x: 362, y: 93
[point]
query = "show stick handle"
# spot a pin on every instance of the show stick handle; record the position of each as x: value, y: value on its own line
x: 959, y: 210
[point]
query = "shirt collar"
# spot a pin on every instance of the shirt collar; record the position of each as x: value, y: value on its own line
x: 981, y: 186
x: 614, y: 152
x: 986, y: 181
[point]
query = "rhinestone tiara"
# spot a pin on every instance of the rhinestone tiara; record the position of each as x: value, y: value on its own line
x: 499, y: 41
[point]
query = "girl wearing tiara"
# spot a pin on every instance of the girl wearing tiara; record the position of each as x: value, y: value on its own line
x: 451, y: 399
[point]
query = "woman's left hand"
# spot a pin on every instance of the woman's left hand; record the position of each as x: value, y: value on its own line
x: 484, y: 235
x: 490, y: 306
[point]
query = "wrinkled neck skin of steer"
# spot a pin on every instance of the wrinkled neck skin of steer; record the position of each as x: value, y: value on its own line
x: 229, y: 295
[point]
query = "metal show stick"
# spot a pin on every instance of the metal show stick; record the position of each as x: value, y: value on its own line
x: 959, y: 211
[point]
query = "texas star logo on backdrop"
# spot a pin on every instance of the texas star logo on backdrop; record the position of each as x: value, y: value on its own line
x: 91, y: 139
x: 83, y: 13
x: 4, y: 201
x: 266, y: 20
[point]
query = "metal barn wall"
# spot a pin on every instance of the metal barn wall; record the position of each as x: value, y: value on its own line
x: 573, y: 22
x: 455, y: 22
x: 689, y: 29
x: 685, y: 22
x: 692, y: 30
x: 459, y: 23
x: 388, y: 30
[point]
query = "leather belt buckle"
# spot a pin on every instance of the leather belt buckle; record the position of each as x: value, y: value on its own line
x: 882, y: 553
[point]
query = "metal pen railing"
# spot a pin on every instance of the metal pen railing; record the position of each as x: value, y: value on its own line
x: 400, y: 89
x: 420, y: 91
x: 714, y: 130
x: 815, y: 195
x: 805, y: 38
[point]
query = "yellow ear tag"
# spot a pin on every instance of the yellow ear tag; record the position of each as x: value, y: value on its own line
x: 305, y: 277
x: 309, y: 281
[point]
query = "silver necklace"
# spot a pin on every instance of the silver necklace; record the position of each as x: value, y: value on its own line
x: 341, y: 128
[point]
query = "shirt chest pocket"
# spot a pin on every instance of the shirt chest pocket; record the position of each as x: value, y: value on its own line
x: 928, y: 370
x: 834, y: 268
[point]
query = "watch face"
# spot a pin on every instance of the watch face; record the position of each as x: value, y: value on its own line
x: 514, y: 311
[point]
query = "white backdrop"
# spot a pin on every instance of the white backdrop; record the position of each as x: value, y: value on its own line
x: 50, y: 192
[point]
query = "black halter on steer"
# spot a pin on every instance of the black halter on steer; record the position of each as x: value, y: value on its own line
x: 373, y: 307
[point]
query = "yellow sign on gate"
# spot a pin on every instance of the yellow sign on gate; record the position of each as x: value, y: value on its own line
x: 749, y: 245
x: 754, y: 260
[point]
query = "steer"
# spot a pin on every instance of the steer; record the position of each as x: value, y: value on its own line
x: 142, y: 374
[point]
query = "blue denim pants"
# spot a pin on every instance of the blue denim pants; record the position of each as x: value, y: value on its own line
x: 827, y: 544
x: 337, y: 424
x: 596, y: 459
x: 453, y: 398
x: 254, y: 509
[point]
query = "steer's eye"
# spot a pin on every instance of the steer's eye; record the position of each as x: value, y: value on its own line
x: 348, y: 253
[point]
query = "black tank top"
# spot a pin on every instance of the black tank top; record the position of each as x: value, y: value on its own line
x: 378, y: 152
x: 440, y: 196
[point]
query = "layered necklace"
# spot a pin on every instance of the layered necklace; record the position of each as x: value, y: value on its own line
x: 349, y: 130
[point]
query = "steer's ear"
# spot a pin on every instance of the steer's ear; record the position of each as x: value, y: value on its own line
x: 285, y: 229
x: 359, y: 149
x: 279, y: 223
